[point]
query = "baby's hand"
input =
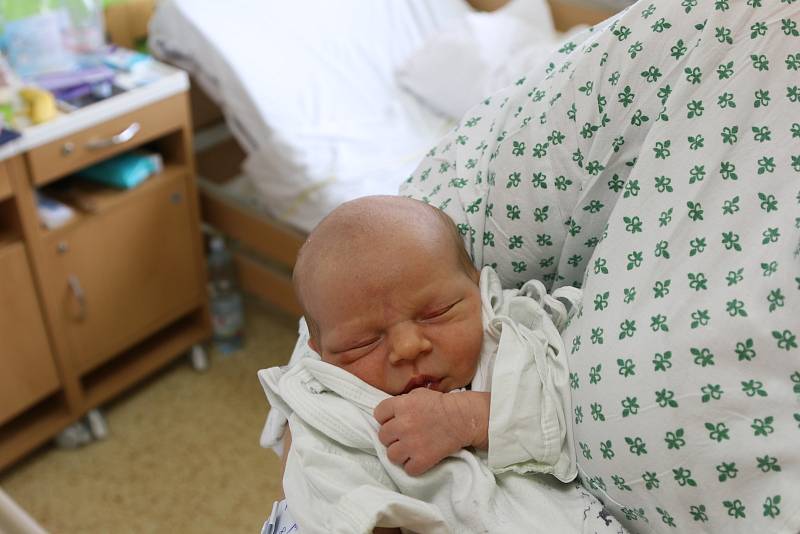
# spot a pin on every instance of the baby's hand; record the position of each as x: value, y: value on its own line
x: 423, y: 427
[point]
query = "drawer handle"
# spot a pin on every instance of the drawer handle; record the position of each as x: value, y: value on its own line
x: 77, y: 292
x: 123, y: 137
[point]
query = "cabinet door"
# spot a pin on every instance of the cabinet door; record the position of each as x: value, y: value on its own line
x: 124, y: 272
x: 27, y: 370
x: 5, y: 182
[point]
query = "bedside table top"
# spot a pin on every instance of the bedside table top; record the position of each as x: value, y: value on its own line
x: 170, y: 82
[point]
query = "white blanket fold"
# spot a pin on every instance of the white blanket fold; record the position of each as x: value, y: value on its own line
x: 340, y: 479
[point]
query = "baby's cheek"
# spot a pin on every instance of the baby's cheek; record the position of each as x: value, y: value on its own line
x: 465, y: 350
x: 473, y: 351
x: 373, y: 369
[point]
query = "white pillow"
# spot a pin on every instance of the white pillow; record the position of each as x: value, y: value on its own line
x: 479, y: 54
x: 308, y: 89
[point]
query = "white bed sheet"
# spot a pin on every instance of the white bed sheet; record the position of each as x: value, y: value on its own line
x: 308, y: 89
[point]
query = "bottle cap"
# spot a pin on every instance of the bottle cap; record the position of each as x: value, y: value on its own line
x: 217, y: 243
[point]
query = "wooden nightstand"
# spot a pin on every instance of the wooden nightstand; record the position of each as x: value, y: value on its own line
x: 93, y: 307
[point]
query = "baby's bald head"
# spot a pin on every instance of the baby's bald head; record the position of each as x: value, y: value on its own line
x: 374, y: 234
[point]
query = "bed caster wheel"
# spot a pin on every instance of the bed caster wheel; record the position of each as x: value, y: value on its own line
x: 74, y: 436
x: 97, y: 424
x: 198, y: 358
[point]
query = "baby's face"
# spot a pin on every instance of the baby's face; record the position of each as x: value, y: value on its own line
x: 404, y: 319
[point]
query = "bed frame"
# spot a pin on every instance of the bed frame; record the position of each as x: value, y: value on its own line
x: 265, y: 248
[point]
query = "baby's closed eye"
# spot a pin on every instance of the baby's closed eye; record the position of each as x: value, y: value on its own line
x: 356, y: 350
x: 438, y: 312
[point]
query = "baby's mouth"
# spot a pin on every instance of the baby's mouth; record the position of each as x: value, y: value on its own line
x: 422, y: 381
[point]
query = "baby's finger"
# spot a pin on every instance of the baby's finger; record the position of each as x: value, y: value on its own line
x: 387, y: 433
x: 396, y: 453
x: 384, y: 411
x: 416, y: 466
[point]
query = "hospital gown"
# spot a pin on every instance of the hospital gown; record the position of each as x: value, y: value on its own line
x: 656, y: 164
x: 338, y: 474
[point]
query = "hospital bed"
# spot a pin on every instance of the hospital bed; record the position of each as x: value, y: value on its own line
x: 298, y: 106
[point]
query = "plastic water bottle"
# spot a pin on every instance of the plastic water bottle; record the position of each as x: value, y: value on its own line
x: 227, y: 312
x: 84, y: 28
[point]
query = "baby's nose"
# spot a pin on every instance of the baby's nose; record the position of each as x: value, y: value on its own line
x: 408, y: 342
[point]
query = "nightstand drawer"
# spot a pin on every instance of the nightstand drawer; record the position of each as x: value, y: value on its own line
x: 5, y: 181
x: 73, y: 152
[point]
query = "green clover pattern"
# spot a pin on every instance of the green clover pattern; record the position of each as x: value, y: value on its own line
x: 655, y: 163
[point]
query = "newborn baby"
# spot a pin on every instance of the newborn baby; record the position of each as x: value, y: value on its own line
x: 421, y: 364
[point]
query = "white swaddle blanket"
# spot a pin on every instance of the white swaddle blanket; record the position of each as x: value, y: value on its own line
x: 339, y: 479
